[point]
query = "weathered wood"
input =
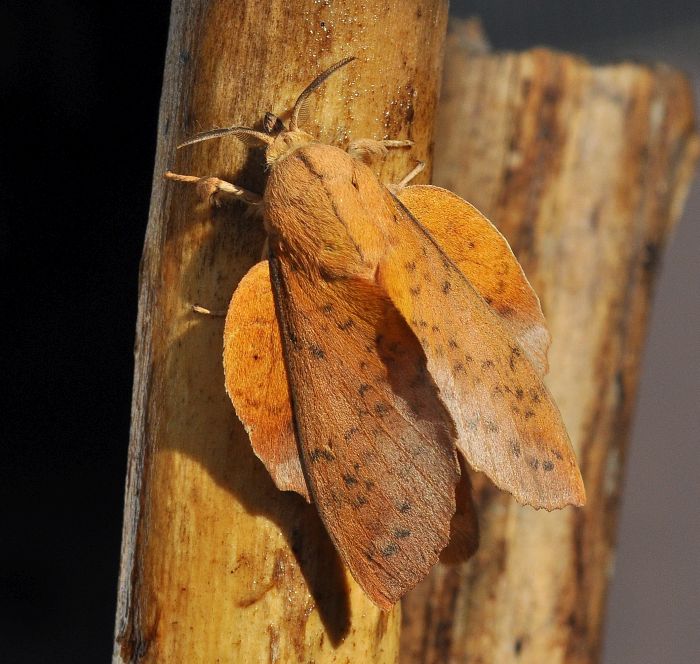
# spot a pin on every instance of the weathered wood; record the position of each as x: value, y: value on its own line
x: 585, y: 169
x: 217, y: 565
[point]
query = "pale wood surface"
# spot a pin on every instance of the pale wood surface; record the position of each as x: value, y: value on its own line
x: 585, y: 169
x: 217, y: 565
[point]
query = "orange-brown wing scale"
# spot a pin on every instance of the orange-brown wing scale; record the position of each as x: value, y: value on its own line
x: 256, y: 379
x: 377, y: 444
x: 507, y: 423
x: 484, y: 256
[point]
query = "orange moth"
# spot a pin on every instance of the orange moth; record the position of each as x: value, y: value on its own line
x: 389, y: 340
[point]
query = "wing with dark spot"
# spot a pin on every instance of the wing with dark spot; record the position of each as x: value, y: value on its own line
x: 507, y: 422
x: 484, y: 256
x: 377, y: 445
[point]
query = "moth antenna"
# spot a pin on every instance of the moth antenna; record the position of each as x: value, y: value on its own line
x: 248, y: 136
x: 298, y: 112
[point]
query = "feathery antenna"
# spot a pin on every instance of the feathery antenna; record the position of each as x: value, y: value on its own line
x: 314, y: 85
x: 245, y: 134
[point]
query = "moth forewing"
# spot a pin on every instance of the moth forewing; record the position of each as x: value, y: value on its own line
x: 507, y: 422
x: 485, y: 258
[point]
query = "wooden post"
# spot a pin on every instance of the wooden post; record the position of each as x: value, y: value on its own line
x: 217, y: 565
x: 585, y: 169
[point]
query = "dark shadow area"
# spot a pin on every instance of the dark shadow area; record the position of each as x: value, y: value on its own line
x: 81, y: 83
x: 407, y: 373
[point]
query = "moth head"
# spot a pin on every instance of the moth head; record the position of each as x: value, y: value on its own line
x: 278, y: 139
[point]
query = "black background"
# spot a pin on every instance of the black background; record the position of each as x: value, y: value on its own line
x: 83, y: 80
x: 82, y: 84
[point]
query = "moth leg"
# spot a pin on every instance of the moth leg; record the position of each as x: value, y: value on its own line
x: 396, y: 188
x: 210, y: 189
x: 214, y: 313
x: 367, y: 149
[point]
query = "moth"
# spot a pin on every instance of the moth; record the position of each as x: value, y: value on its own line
x: 389, y: 340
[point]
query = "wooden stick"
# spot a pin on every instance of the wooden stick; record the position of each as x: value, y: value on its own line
x: 585, y: 169
x: 217, y: 565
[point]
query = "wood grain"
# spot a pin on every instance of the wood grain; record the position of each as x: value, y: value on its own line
x: 217, y: 565
x: 585, y: 170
